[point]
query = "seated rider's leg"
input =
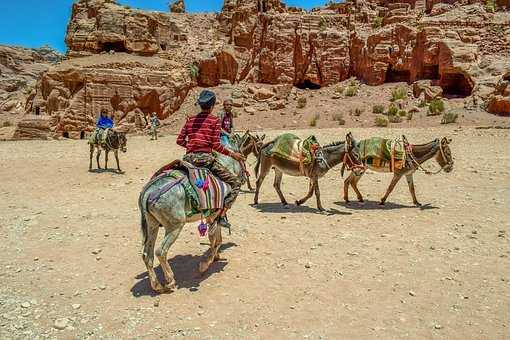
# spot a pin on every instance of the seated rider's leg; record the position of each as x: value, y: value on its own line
x: 228, y: 177
x: 200, y: 160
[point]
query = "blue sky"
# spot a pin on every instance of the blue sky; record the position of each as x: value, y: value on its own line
x: 33, y: 23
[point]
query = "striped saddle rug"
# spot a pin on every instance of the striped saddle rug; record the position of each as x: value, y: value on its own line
x: 210, y: 191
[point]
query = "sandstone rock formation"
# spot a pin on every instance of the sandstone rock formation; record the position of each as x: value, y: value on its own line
x: 177, y: 6
x: 19, y: 70
x: 499, y: 101
x: 134, y: 62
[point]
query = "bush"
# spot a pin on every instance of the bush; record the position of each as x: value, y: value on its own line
x: 449, y: 118
x: 392, y: 110
x: 381, y: 121
x: 194, y: 71
x: 377, y: 22
x: 339, y: 89
x: 422, y: 103
x: 339, y: 117
x: 398, y: 93
x: 402, y: 113
x: 357, y: 111
x: 301, y: 102
x: 395, y: 119
x: 436, y: 107
x: 378, y: 109
x: 6, y: 123
x: 409, y: 116
x: 351, y: 91
x: 315, y: 118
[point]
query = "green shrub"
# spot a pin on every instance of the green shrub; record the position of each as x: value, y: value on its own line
x: 395, y: 119
x: 398, y: 93
x: 351, y: 91
x: 490, y: 5
x: 357, y: 111
x: 449, y: 118
x: 301, y: 102
x: 378, y: 109
x: 339, y: 117
x: 353, y: 82
x: 194, y: 71
x: 315, y: 118
x: 339, y: 89
x: 436, y: 107
x: 422, y: 103
x: 392, y: 110
x: 381, y: 121
x: 377, y: 22
x: 402, y: 113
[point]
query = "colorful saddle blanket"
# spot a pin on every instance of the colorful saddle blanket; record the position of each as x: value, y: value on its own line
x: 383, y: 154
x: 291, y: 147
x: 98, y: 136
x: 208, y: 192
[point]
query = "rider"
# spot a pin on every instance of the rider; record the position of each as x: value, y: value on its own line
x: 103, y: 123
x: 226, y: 120
x: 200, y: 136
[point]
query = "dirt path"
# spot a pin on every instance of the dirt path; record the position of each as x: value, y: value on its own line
x: 71, y: 251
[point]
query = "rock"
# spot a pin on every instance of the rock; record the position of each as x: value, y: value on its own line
x: 76, y: 306
x: 412, y: 293
x: 262, y: 94
x: 249, y: 110
x: 177, y: 6
x: 278, y: 105
x: 25, y: 304
x: 96, y: 251
x: 61, y: 323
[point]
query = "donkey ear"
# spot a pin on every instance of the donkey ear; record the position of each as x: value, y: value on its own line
x: 263, y: 137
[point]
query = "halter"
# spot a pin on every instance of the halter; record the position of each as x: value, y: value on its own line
x: 409, y: 151
x: 349, y: 163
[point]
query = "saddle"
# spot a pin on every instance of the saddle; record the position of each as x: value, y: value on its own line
x: 385, y: 154
x: 207, y: 191
x: 98, y: 136
x: 290, y: 147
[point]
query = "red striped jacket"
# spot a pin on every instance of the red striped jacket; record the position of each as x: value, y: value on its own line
x: 201, y: 133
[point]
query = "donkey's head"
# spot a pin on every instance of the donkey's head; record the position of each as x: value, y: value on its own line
x: 444, y: 155
x: 121, y: 137
x: 252, y: 143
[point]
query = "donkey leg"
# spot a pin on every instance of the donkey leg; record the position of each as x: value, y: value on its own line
x: 265, y: 166
x: 169, y: 239
x: 91, y: 156
x: 354, y: 185
x: 318, y: 195
x: 277, y: 185
x: 347, y: 182
x: 211, y: 254
x: 148, y: 252
x: 394, y: 181
x: 308, y: 195
x: 98, y: 154
x: 106, y: 152
x: 116, y: 153
x: 410, y: 183
x: 249, y: 183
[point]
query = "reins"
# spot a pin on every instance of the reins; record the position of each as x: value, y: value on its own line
x: 409, y: 151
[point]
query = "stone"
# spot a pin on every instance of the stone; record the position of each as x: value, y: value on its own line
x: 61, y: 323
x: 25, y: 304
x: 76, y: 306
x: 277, y: 105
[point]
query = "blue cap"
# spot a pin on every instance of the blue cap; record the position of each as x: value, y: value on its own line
x: 206, y: 99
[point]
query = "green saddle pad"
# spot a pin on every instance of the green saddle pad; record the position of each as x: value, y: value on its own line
x: 291, y: 147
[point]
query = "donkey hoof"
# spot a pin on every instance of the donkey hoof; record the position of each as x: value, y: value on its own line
x: 418, y: 204
x: 298, y: 203
x: 202, y: 267
x: 170, y: 286
x: 381, y: 203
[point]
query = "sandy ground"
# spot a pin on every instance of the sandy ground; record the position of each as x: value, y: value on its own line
x: 70, y: 254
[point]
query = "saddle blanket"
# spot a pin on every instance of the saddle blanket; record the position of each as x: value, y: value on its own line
x: 383, y: 154
x: 210, y: 191
x: 291, y: 147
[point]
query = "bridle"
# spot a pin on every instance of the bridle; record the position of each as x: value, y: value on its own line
x: 409, y: 152
x: 350, y: 163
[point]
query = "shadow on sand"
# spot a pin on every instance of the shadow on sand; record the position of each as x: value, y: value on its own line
x: 111, y: 171
x: 185, y: 269
x: 374, y: 205
x: 292, y: 208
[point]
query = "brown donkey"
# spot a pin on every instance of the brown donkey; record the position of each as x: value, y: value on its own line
x: 326, y: 158
x: 416, y: 156
x: 250, y: 144
x: 114, y: 141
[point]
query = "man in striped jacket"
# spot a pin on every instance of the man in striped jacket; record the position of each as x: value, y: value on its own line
x: 201, y: 136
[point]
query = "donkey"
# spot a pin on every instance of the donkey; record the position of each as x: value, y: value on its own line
x: 326, y: 158
x: 171, y: 211
x: 418, y: 154
x: 115, y: 140
x: 250, y: 144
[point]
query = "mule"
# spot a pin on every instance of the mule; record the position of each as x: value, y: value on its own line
x: 327, y: 157
x: 417, y: 154
x: 114, y: 141
x: 170, y: 212
x: 250, y: 144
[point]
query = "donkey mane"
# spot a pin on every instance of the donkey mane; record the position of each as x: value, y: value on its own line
x: 334, y: 144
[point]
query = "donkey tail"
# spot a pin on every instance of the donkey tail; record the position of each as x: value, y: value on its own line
x: 143, y: 221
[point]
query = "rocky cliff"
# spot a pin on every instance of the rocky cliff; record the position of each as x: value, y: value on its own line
x: 134, y: 62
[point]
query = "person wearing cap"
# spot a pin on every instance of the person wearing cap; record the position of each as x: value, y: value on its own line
x: 201, y: 136
x: 226, y: 120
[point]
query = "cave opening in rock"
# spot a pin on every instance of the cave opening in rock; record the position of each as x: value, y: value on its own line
x: 455, y: 85
x: 397, y: 76
x: 431, y: 72
x: 163, y: 47
x: 117, y: 46
x: 82, y: 135
x: 37, y: 111
x: 150, y: 103
x: 307, y: 84
x: 65, y: 134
